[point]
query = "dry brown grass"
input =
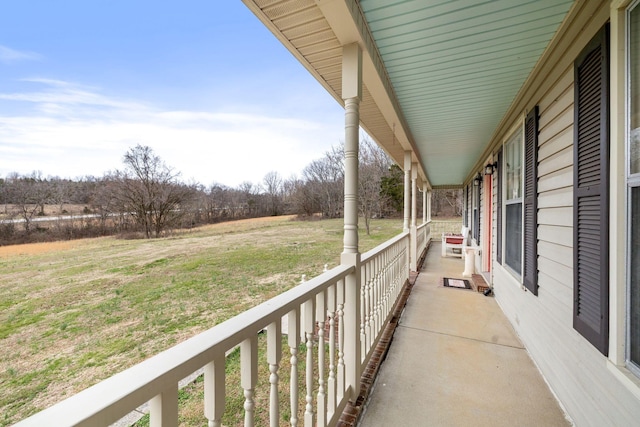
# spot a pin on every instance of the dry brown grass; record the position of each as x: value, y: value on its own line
x: 34, y: 248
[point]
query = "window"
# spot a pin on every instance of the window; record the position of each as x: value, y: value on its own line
x: 633, y: 184
x: 513, y: 202
x: 591, y: 192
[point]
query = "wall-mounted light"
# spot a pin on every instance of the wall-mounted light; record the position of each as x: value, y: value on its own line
x: 490, y: 168
x: 477, y: 180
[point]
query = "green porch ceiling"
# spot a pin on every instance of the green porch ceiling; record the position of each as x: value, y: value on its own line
x: 456, y: 66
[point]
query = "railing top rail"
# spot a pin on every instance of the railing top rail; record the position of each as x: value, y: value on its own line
x: 111, y: 399
x: 383, y: 246
x: 423, y: 225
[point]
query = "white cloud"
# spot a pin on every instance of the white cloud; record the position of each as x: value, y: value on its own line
x: 9, y: 56
x: 75, y: 131
x: 60, y: 93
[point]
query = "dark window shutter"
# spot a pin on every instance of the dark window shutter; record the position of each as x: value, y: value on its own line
x: 530, y: 201
x: 476, y: 214
x: 590, y: 193
x: 499, y: 208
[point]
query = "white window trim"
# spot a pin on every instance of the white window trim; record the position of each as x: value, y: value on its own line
x: 519, y: 127
x: 631, y: 181
x: 618, y: 256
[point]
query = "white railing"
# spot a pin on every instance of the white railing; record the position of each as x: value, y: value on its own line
x: 315, y: 316
x: 384, y: 271
x: 423, y: 236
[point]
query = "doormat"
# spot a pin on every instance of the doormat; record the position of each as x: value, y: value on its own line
x: 457, y: 283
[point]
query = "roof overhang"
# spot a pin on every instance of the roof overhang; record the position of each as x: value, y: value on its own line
x: 438, y: 76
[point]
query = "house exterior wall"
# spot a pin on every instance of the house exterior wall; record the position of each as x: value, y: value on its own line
x: 594, y: 389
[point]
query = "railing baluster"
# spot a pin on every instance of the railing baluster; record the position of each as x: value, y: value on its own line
x: 379, y: 268
x: 363, y: 311
x: 331, y: 315
x: 385, y: 278
x: 309, y: 326
x: 249, y: 376
x: 384, y: 283
x: 370, y: 309
x: 214, y: 390
x: 274, y: 353
x: 388, y: 279
x: 293, y: 339
x: 163, y: 408
x: 393, y: 280
x: 340, y: 318
x: 321, y: 314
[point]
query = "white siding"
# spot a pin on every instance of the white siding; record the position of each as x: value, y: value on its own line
x: 575, y: 370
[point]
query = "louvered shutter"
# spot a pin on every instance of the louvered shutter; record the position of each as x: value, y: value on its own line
x: 499, y: 208
x: 476, y: 214
x: 590, y: 190
x: 530, y: 201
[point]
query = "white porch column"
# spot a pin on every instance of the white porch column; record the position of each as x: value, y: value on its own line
x: 407, y: 189
x: 414, y: 194
x: 429, y: 205
x: 352, y: 95
x: 414, y: 213
x: 425, y: 194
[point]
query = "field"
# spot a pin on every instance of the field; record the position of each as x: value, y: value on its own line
x: 10, y: 211
x: 73, y: 313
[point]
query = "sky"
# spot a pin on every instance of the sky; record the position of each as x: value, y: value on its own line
x: 202, y: 82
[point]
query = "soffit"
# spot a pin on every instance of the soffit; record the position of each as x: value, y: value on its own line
x: 456, y: 67
x: 301, y: 26
x: 439, y: 75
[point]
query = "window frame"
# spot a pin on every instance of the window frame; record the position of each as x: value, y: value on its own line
x: 513, y: 135
x: 632, y: 181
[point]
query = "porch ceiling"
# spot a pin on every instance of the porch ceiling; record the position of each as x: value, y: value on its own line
x: 439, y: 75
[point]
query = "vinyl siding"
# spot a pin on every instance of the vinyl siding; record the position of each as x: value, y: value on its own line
x: 576, y: 371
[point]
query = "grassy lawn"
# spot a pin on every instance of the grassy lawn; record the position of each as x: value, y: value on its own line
x: 77, y: 312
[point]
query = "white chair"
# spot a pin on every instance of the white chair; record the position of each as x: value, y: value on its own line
x: 452, y: 243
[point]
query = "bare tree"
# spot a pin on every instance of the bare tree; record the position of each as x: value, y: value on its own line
x: 60, y: 192
x: 105, y: 201
x: 325, y: 182
x: 273, y: 189
x: 4, y: 195
x: 30, y: 194
x: 374, y: 164
x: 447, y: 203
x: 149, y: 190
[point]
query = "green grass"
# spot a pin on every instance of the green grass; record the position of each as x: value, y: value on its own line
x: 72, y: 317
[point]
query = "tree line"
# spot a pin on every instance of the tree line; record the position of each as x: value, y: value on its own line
x: 148, y: 198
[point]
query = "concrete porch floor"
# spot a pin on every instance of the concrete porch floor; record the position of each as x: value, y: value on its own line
x: 456, y: 361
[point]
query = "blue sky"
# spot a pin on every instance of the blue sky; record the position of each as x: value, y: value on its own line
x: 202, y: 82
